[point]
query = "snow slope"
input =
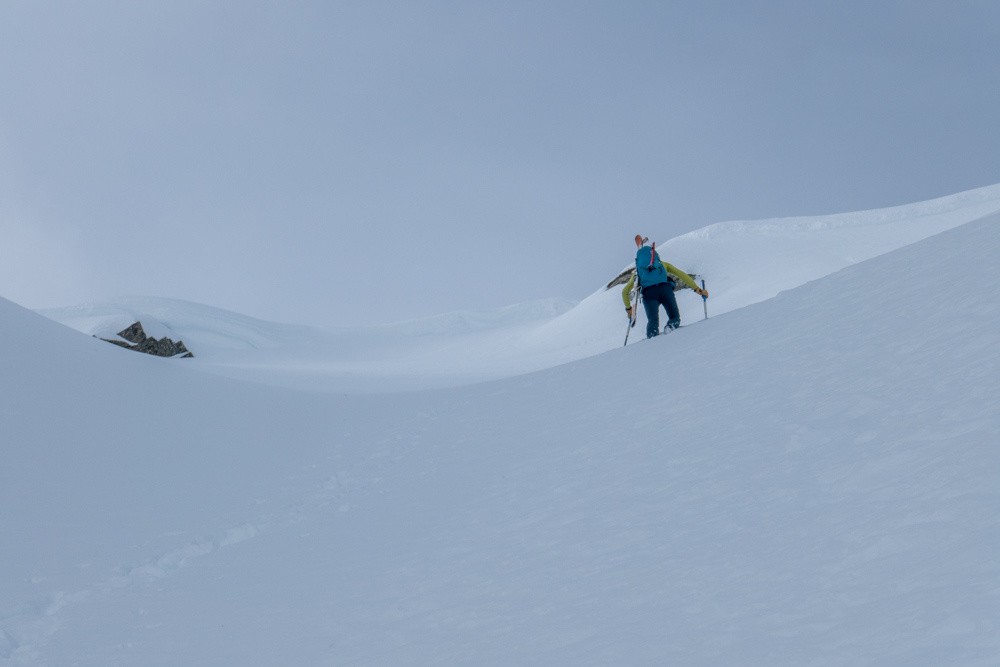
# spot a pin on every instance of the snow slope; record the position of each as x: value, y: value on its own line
x: 810, y: 480
x: 743, y: 262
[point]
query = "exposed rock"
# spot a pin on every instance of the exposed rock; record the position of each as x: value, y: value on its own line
x: 138, y: 340
x: 134, y: 334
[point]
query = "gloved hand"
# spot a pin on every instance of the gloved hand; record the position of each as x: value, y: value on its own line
x: 702, y: 292
x: 631, y: 314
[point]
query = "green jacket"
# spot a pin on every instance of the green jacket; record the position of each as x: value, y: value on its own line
x: 671, y: 271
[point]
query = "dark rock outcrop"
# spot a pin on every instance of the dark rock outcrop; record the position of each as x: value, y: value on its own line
x: 134, y: 338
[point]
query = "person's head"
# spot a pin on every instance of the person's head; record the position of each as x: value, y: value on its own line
x: 639, y: 240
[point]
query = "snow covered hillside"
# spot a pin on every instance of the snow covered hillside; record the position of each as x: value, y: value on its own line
x: 743, y: 262
x: 811, y: 479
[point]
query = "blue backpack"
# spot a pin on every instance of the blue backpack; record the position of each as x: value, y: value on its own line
x: 648, y: 267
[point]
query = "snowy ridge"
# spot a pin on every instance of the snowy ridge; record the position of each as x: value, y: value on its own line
x: 748, y: 262
x: 964, y: 206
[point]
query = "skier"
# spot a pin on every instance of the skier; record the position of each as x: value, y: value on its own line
x: 657, y: 280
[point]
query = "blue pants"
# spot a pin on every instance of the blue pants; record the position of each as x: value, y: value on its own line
x: 655, y: 296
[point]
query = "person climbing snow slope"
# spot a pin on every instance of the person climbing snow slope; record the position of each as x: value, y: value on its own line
x: 657, y: 280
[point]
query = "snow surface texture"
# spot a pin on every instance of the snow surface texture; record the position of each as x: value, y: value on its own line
x: 744, y: 263
x: 811, y: 480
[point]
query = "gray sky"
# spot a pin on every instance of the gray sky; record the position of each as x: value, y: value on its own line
x: 349, y: 162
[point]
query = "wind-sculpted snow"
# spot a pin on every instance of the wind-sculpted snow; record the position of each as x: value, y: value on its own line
x: 748, y: 262
x: 808, y: 480
x: 463, y: 322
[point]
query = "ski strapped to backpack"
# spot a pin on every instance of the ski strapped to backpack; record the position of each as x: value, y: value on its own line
x: 636, y: 297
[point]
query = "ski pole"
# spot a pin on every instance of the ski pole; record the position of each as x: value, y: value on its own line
x: 704, y: 299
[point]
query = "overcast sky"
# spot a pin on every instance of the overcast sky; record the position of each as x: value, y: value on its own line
x: 364, y: 162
